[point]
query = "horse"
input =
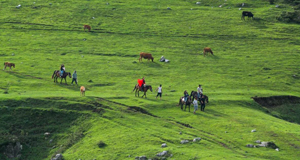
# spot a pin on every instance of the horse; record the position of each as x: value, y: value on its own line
x: 145, y: 56
x: 87, y: 27
x: 82, y: 91
x: 56, y: 74
x: 187, y: 103
x: 195, y: 94
x: 207, y: 49
x: 137, y: 89
x: 8, y: 64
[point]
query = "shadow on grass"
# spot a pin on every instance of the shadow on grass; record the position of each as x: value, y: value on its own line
x: 21, y: 75
x: 283, y: 107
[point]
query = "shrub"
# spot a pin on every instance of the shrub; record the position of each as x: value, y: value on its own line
x: 101, y: 144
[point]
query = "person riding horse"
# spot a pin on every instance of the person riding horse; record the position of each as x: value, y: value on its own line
x: 143, y: 84
x: 62, y: 70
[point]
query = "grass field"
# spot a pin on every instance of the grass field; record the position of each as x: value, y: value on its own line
x: 251, y: 58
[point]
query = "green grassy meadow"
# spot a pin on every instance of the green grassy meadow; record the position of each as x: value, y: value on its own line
x: 251, y: 58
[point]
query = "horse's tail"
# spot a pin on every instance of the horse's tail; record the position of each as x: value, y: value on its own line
x: 53, y: 74
x: 134, y: 88
x: 179, y: 101
x: 211, y: 52
x: 206, y: 97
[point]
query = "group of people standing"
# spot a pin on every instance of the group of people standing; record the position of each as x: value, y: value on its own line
x: 200, y: 98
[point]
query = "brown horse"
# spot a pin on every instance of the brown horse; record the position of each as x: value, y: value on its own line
x: 207, y: 49
x: 87, y: 27
x: 137, y: 89
x: 8, y: 64
x: 56, y: 74
x: 194, y: 94
x: 82, y: 91
x: 187, y: 103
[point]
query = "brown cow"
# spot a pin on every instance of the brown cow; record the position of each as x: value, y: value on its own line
x: 207, y: 49
x: 87, y: 27
x: 145, y: 56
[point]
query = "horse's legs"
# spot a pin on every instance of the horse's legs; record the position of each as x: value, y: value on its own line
x: 66, y: 80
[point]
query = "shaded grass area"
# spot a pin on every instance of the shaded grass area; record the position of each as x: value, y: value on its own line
x: 28, y: 125
x: 285, y: 107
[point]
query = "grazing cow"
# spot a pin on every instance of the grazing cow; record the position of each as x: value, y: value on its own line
x: 145, y: 56
x: 87, y: 27
x: 8, y: 64
x: 248, y: 14
x: 82, y: 91
x: 207, y: 49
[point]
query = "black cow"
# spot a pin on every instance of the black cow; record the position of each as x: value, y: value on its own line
x: 248, y: 14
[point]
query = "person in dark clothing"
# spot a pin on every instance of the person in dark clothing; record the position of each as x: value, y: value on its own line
x: 202, y: 102
x: 144, y: 83
x: 74, y: 78
x: 186, y: 94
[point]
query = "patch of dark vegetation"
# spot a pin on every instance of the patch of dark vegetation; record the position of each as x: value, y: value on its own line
x: 98, y: 110
x: 291, y: 17
x: 138, y: 109
x: 106, y: 84
x: 55, y: 98
x: 3, y: 55
x: 63, y: 54
x: 276, y: 100
x: 96, y: 104
x: 266, y: 68
x: 118, y: 98
x: 26, y: 127
x: 185, y: 125
x: 283, y: 107
x: 28, y: 23
x: 101, y: 144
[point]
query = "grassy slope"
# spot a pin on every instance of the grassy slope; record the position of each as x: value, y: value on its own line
x: 121, y: 30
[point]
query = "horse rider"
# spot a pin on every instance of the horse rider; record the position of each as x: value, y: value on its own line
x: 143, y: 84
x: 199, y: 91
x: 185, y: 95
x: 62, y: 70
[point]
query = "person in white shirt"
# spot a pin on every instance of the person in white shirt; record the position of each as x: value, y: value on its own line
x: 199, y: 91
x: 195, y: 102
x: 159, y: 91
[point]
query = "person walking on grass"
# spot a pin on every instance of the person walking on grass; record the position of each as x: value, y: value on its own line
x: 74, y: 77
x: 159, y: 91
x: 202, y: 102
x: 195, y: 102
